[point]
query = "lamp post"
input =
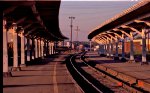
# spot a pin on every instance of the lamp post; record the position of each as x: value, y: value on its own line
x: 71, y: 30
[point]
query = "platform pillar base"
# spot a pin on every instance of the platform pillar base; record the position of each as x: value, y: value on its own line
x: 116, y: 58
x: 7, y: 74
x: 123, y: 60
x: 22, y: 65
x: 144, y: 63
x: 131, y: 61
x: 111, y: 56
x: 102, y: 55
x: 16, y: 69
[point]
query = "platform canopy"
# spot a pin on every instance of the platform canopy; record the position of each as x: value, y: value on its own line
x: 134, y: 18
x: 39, y: 19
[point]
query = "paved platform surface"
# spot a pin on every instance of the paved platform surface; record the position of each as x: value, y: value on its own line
x: 133, y: 73
x: 51, y: 76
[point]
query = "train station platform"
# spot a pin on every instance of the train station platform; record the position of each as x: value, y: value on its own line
x: 49, y: 76
x: 134, y: 74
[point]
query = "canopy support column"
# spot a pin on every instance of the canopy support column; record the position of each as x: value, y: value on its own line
x: 144, y: 61
x: 28, y: 50
x: 15, y: 49
x: 123, y: 53
x: 36, y: 49
x: 42, y: 45
x: 50, y: 52
x: 52, y: 48
x: 131, y: 49
x: 116, y: 55
x: 44, y: 48
x: 31, y: 49
x: 111, y: 49
x: 39, y: 47
x: 6, y: 72
x: 22, y: 50
x: 105, y: 49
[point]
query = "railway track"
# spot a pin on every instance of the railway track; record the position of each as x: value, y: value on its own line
x: 92, y: 80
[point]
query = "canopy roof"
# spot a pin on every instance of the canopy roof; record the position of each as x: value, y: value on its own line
x: 37, y: 18
x: 140, y: 11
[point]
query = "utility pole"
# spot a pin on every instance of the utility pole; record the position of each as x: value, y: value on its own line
x: 71, y: 30
x: 77, y: 33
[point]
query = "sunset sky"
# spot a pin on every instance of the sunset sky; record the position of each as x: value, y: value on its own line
x: 88, y: 15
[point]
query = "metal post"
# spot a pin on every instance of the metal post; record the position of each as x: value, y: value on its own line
x: 71, y: 30
x: 49, y: 43
x: 131, y: 51
x: 39, y: 47
x: 22, y: 50
x: 45, y: 47
x: 105, y: 49
x: 36, y: 49
x: 123, y: 52
x: 108, y: 47
x: 111, y: 43
x: 116, y: 55
x: 31, y: 49
x: 6, y: 72
x: 28, y: 50
x: 144, y: 61
x: 15, y: 49
x: 42, y: 44
x: 52, y: 48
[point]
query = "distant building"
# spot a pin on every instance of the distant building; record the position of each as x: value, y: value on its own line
x: 137, y: 46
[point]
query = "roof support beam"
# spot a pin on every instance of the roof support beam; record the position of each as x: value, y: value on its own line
x: 131, y: 44
x: 38, y: 16
x: 105, y: 36
x: 21, y: 20
x: 100, y: 39
x: 133, y: 29
x: 106, y: 40
x: 27, y: 26
x: 108, y: 37
x: 109, y: 34
x: 8, y: 10
x: 141, y: 21
x: 129, y: 35
x: 103, y: 41
x: 118, y: 36
x: 29, y: 32
x: 113, y: 37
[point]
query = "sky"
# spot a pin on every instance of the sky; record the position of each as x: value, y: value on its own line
x: 88, y: 15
